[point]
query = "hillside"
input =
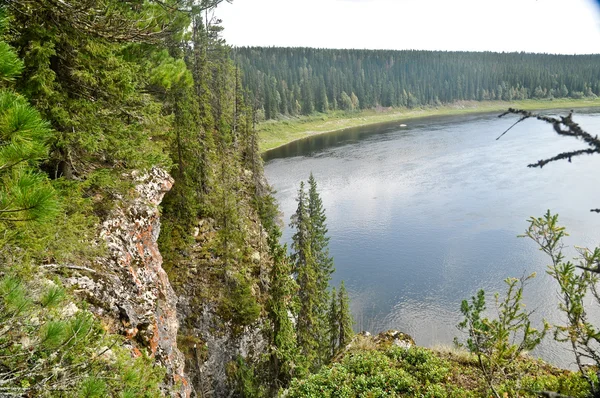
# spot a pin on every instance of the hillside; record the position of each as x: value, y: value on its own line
x: 300, y: 81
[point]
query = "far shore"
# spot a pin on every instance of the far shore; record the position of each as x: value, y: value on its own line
x: 276, y: 133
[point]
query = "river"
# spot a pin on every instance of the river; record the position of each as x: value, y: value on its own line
x: 422, y: 216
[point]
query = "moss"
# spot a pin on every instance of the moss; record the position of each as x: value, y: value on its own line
x: 240, y: 306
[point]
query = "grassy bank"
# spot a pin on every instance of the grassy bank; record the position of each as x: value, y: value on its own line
x: 274, y: 133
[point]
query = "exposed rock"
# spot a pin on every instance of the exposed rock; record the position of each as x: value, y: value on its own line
x: 216, y: 347
x: 69, y: 310
x: 212, y: 336
x: 130, y: 289
x: 366, y: 341
x: 394, y: 337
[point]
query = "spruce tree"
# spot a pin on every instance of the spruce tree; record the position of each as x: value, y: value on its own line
x: 313, y: 267
x: 319, y: 241
x: 283, y: 348
x: 301, y: 223
x: 344, y: 317
x: 308, y: 317
x: 319, y: 244
x: 334, y: 327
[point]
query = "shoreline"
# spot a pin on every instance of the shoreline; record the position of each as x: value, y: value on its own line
x: 273, y: 134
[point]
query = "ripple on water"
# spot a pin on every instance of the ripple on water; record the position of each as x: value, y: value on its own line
x: 421, y: 217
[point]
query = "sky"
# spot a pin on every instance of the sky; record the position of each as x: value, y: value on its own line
x: 546, y: 26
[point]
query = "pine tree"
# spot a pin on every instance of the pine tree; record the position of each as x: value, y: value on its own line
x: 344, y: 317
x: 25, y: 193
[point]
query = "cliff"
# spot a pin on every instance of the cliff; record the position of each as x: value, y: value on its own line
x: 128, y: 289
x: 133, y: 296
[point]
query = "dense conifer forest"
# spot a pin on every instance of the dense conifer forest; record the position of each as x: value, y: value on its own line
x: 300, y: 81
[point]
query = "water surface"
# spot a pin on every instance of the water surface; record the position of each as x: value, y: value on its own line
x: 421, y: 217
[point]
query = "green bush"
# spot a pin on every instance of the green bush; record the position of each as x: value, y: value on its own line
x: 420, y: 372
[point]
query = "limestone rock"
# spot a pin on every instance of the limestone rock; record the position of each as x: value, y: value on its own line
x: 130, y: 287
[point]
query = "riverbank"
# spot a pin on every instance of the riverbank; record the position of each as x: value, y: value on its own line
x: 275, y: 133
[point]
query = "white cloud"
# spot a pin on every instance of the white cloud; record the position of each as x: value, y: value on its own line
x: 554, y: 26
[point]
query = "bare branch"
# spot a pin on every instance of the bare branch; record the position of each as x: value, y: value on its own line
x: 565, y: 126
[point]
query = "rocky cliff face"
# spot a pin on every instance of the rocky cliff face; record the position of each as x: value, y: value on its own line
x: 213, y: 338
x: 129, y: 289
x: 216, y: 348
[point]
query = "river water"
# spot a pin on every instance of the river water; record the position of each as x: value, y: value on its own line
x: 420, y: 217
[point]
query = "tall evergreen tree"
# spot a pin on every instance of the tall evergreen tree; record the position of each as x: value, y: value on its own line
x: 283, y: 350
x: 319, y: 244
x: 344, y: 317
x: 319, y: 241
x: 334, y: 326
x: 308, y: 319
x: 313, y: 267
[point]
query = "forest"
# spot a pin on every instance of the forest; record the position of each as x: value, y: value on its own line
x: 300, y: 81
x: 97, y: 95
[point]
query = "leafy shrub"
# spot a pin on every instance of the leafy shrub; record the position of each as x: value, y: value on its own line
x: 498, y: 343
x: 420, y: 372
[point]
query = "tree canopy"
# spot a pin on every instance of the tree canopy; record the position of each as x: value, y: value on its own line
x: 292, y: 81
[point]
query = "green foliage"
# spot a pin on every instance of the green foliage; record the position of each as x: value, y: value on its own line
x: 393, y: 372
x: 10, y: 65
x: 498, y: 343
x: 319, y: 241
x: 576, y: 283
x: 244, y: 380
x: 345, y: 321
x: 283, y: 355
x: 46, y: 348
x: 25, y: 194
x: 340, y: 320
x: 90, y: 82
x: 169, y: 73
x: 134, y: 89
x: 313, y: 267
x: 308, y: 325
x: 334, y: 325
x: 240, y: 305
x: 420, y: 372
x: 293, y: 81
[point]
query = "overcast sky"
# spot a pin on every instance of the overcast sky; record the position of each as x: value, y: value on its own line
x: 551, y: 26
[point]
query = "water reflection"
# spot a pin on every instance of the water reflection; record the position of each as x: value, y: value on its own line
x: 421, y: 217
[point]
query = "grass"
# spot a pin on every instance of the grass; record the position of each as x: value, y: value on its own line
x: 275, y: 133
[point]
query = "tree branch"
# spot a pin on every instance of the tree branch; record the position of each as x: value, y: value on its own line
x: 565, y: 126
